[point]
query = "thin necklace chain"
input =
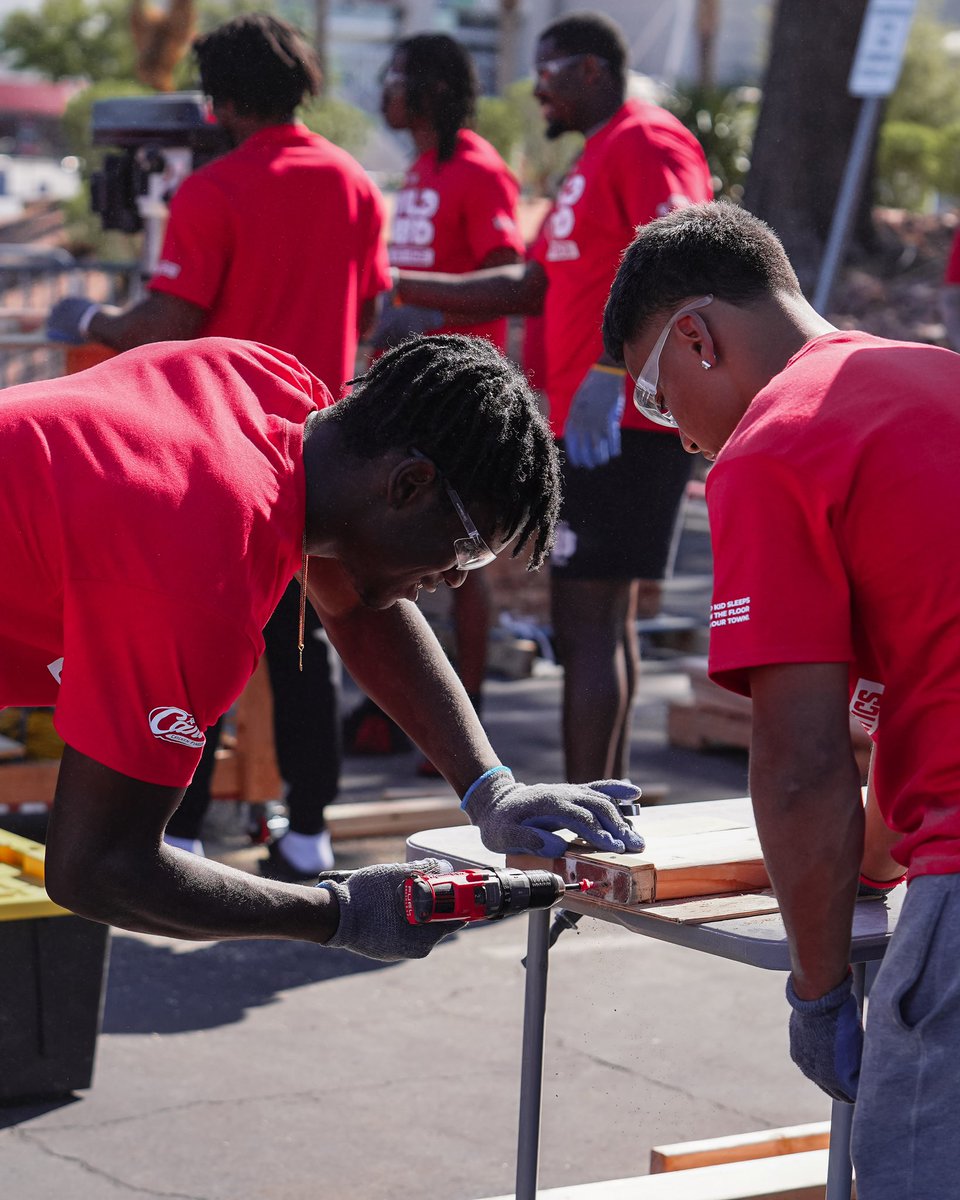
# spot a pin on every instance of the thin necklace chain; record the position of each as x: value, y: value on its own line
x: 303, y: 598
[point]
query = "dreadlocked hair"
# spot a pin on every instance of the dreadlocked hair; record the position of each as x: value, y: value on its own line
x: 441, y: 85
x: 457, y: 400
x: 262, y: 64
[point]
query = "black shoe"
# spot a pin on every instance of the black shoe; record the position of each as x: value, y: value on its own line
x: 277, y: 866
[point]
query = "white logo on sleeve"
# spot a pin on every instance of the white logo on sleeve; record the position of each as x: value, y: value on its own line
x: 730, y: 612
x: 865, y: 703
x: 171, y: 724
x: 56, y: 669
x: 167, y: 269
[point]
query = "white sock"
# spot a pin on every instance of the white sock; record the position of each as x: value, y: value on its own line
x: 307, y: 852
x: 191, y: 845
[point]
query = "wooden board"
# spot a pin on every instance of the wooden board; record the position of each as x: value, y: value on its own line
x: 741, y: 1147
x: 695, y: 862
x: 784, y: 1177
x: 394, y: 817
x: 703, y: 910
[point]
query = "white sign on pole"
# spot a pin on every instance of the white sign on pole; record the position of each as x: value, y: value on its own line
x: 883, y: 39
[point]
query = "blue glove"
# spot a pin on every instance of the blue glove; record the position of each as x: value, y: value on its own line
x: 69, y: 319
x: 592, y: 432
x: 826, y: 1039
x: 516, y: 819
x: 372, y: 918
x: 400, y: 321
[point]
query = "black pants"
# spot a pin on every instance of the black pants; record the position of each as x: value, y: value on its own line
x: 306, y: 725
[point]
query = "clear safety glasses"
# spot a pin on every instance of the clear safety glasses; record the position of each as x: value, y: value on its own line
x: 472, y: 551
x: 648, y: 381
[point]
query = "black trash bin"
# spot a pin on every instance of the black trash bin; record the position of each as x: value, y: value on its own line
x: 53, y: 969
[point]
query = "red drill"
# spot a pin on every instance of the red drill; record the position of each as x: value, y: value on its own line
x: 481, y: 894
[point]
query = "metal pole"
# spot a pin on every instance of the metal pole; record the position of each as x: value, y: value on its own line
x: 847, y: 200
x: 531, y: 1061
x: 839, y: 1164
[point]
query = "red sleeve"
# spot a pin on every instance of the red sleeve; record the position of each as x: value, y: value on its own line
x: 663, y: 169
x: 143, y: 675
x: 197, y: 246
x: 375, y: 270
x: 780, y: 593
x: 953, y: 262
x: 491, y: 214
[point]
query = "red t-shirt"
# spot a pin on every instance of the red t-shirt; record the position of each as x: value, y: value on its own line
x: 280, y: 242
x: 449, y: 216
x: 151, y: 515
x: 641, y: 164
x: 835, y: 517
x: 952, y: 273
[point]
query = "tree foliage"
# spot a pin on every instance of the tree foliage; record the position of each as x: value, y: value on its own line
x: 71, y: 39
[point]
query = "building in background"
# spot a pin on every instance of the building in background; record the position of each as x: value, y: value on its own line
x: 501, y: 35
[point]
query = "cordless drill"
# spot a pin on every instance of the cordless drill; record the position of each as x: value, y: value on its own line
x: 481, y: 894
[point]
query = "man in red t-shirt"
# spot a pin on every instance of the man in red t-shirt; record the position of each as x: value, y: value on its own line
x: 280, y: 241
x: 153, y: 511
x: 950, y: 294
x: 834, y: 511
x: 637, y: 163
x: 455, y: 212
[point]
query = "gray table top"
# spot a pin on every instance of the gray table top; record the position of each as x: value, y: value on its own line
x: 760, y: 941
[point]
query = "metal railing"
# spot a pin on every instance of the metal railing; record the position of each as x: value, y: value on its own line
x: 32, y: 279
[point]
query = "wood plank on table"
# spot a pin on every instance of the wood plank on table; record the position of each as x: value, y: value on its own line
x: 698, y: 862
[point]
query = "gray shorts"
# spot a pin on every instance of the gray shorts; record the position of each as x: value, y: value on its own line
x: 905, y: 1139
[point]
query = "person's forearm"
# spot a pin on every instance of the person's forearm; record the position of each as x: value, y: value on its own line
x: 497, y: 292
x: 878, y: 865
x: 180, y: 895
x: 811, y: 829
x: 395, y: 658
x: 157, y: 318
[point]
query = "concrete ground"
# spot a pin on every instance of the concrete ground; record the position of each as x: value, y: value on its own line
x: 261, y: 1070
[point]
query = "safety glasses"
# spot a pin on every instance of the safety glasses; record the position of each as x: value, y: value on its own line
x: 472, y: 551
x: 553, y: 66
x: 648, y: 381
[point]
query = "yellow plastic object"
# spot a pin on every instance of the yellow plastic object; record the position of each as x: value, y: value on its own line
x: 22, y: 894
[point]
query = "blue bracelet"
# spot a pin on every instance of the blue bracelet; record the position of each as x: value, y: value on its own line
x: 476, y: 783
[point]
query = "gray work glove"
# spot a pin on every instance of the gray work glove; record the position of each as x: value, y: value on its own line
x: 372, y: 920
x: 591, y: 435
x: 826, y: 1039
x: 69, y: 319
x: 516, y: 819
x: 397, y: 322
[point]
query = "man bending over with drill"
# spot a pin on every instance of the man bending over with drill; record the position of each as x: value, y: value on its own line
x: 155, y: 508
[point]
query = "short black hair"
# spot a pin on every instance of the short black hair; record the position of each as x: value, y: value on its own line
x: 263, y: 65
x: 457, y: 400
x: 441, y: 85
x: 715, y: 248
x: 592, y: 33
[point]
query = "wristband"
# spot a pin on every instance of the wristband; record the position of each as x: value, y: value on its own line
x: 608, y: 370
x: 881, y: 885
x: 476, y: 783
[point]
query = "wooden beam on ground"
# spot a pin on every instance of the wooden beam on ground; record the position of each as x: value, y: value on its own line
x: 786, y: 1177
x: 740, y: 1147
x: 393, y: 818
